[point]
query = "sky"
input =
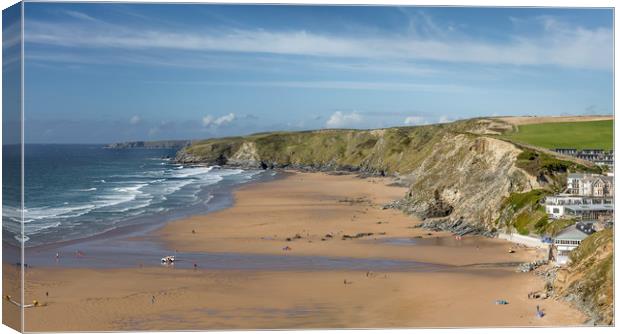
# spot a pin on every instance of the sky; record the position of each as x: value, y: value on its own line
x: 99, y: 73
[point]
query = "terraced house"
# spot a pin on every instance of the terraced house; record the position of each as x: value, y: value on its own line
x: 591, y: 185
x: 598, y: 156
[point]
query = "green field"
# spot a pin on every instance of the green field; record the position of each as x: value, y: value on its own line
x: 578, y: 135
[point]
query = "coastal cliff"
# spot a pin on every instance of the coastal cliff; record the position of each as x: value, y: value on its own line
x: 158, y: 144
x: 458, y: 173
x: 588, y: 281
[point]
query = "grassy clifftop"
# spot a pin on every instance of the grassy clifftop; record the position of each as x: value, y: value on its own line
x: 579, y: 135
x: 394, y: 150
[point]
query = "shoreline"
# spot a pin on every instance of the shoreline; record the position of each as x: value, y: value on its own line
x: 479, y: 270
x: 139, y: 230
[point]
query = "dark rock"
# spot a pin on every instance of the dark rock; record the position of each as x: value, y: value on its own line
x: 357, y: 236
x: 221, y: 160
x: 456, y: 226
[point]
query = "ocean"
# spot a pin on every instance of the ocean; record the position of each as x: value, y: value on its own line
x: 77, y: 191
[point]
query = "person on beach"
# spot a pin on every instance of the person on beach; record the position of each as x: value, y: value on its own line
x: 539, y: 313
x: 153, y: 299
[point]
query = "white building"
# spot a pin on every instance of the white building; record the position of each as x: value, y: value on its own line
x: 565, y: 242
x: 592, y: 185
x: 556, y: 205
x: 590, y: 211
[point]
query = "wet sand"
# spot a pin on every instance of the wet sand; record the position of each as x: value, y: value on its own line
x: 187, y: 299
x: 306, y: 207
x: 472, y: 274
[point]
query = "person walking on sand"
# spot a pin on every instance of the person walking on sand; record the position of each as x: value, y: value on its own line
x: 153, y: 299
x: 539, y: 313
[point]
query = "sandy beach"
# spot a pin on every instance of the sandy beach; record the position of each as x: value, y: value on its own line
x: 307, y: 207
x: 298, y: 216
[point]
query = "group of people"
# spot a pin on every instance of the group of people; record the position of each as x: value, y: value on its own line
x: 78, y: 253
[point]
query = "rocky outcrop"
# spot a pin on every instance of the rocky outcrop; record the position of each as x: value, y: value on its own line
x: 456, y: 226
x: 464, y: 181
x: 246, y: 155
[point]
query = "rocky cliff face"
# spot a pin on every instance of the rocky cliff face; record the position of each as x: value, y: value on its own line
x: 461, y: 184
x: 458, y: 175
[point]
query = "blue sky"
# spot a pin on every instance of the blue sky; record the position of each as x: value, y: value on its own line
x: 11, y: 75
x: 98, y: 73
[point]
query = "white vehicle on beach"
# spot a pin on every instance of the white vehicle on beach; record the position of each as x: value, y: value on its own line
x: 167, y: 259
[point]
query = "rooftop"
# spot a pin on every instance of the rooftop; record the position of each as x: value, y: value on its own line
x: 583, y: 176
x: 590, y: 207
x: 571, y: 233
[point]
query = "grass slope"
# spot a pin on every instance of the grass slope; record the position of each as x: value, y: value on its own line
x: 389, y: 150
x: 591, y: 279
x: 579, y: 135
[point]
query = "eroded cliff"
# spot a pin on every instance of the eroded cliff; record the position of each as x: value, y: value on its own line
x: 458, y: 173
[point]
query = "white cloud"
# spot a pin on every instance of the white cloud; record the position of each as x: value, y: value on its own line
x: 415, y: 120
x: 340, y: 120
x: 225, y: 119
x: 207, y: 120
x: 81, y: 16
x: 444, y: 119
x: 211, y: 121
x: 135, y: 120
x: 556, y: 43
